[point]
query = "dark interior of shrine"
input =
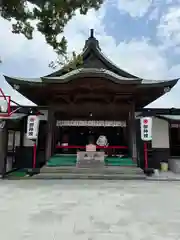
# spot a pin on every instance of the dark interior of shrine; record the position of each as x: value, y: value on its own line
x: 117, y: 138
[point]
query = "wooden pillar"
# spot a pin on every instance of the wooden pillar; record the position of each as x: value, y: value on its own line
x: 3, y: 146
x: 50, y: 134
x: 132, y: 132
x: 22, y: 131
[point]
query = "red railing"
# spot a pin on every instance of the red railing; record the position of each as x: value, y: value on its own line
x: 98, y: 147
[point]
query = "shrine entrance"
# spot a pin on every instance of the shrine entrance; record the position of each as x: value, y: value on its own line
x: 73, y: 136
x: 68, y: 139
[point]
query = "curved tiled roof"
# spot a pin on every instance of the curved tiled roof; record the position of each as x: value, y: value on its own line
x: 108, y: 70
x: 92, y: 45
x: 95, y: 72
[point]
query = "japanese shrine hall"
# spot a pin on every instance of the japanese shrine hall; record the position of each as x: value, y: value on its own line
x: 79, y: 105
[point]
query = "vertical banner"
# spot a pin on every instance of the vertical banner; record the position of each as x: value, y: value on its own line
x: 146, y: 135
x: 32, y: 127
x: 146, y: 129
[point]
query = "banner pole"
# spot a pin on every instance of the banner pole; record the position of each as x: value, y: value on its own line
x: 34, y: 154
x: 145, y: 156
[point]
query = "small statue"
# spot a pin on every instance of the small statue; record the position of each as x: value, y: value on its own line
x: 102, y: 141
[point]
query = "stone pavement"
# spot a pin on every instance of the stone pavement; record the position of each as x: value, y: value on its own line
x: 165, y: 176
x: 89, y: 209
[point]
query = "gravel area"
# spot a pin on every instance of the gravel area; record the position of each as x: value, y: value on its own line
x: 89, y: 209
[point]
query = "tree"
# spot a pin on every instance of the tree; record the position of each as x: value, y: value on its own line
x: 50, y: 16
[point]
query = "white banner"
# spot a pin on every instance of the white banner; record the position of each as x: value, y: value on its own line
x: 146, y: 128
x: 92, y: 123
x: 32, y: 127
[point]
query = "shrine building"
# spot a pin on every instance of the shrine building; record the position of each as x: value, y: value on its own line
x: 79, y: 105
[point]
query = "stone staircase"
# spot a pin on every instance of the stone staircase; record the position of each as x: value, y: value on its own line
x: 105, y: 172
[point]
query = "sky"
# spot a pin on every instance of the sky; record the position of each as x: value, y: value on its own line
x: 140, y: 36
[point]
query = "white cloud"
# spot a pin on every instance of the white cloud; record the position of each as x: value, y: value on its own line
x: 31, y: 58
x: 77, y: 30
x: 174, y: 71
x: 21, y: 56
x: 135, y: 8
x: 168, y: 30
x: 36, y: 54
x: 138, y: 57
x: 142, y: 59
x: 154, y: 15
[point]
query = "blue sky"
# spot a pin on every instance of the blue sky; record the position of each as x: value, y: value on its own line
x: 141, y: 36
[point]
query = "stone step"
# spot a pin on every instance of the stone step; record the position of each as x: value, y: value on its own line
x: 100, y: 170
x: 89, y: 176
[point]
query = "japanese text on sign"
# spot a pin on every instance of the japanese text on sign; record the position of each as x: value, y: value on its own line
x: 146, y: 129
x: 32, y: 127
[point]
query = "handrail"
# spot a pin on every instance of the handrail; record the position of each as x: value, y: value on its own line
x: 98, y: 147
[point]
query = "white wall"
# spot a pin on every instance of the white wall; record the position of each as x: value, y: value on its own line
x: 160, y: 133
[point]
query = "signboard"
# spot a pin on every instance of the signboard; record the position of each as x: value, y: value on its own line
x: 91, y: 123
x: 175, y: 125
x: 32, y: 127
x: 146, y: 129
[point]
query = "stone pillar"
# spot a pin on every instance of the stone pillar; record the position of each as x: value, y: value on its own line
x: 132, y: 132
x: 50, y: 134
x: 3, y: 146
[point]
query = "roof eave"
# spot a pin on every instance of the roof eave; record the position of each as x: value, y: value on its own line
x: 20, y: 81
x: 168, y: 83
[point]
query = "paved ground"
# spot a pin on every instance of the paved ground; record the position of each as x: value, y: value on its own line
x: 86, y: 210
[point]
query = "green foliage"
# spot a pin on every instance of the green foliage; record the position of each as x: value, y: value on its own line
x: 50, y: 16
x: 68, y: 63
